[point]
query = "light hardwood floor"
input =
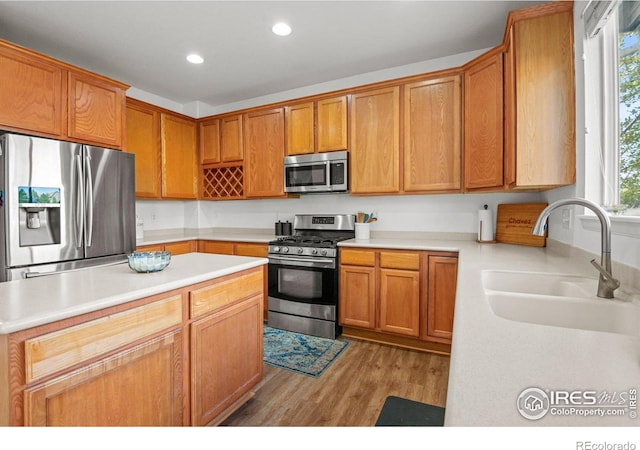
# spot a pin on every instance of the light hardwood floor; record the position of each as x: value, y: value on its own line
x: 351, y: 392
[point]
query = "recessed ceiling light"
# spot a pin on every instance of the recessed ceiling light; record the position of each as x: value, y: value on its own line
x: 281, y: 29
x: 195, y: 59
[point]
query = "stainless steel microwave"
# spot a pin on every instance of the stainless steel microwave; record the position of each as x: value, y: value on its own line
x: 317, y: 172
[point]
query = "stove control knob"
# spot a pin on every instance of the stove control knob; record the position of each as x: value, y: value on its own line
x: 300, y: 251
x: 323, y: 252
x: 314, y: 251
x: 276, y: 249
x: 285, y: 249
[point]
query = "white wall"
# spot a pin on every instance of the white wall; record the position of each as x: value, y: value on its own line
x: 451, y: 213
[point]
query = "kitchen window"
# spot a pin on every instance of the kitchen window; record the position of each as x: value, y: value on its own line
x: 612, y: 105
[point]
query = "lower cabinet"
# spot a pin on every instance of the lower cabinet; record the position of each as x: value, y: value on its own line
x: 136, y: 387
x: 257, y: 250
x: 398, y: 296
x: 226, y: 350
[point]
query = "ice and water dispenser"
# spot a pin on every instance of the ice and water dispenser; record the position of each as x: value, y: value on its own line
x: 39, y: 215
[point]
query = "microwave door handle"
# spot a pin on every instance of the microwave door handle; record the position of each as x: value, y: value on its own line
x: 79, y: 219
x: 328, y: 174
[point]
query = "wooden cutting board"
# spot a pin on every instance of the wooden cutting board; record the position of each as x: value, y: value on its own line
x: 515, y: 222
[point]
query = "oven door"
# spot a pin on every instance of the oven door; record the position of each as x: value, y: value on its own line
x: 303, y: 280
x: 307, y: 177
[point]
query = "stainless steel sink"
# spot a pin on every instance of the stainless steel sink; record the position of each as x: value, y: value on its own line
x: 560, y: 300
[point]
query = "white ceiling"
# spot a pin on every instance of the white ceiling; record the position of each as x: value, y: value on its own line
x: 145, y: 43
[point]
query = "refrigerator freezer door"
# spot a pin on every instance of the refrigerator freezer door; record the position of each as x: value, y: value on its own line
x: 109, y: 203
x: 45, y: 173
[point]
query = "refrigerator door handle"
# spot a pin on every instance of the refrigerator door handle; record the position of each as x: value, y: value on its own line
x: 89, y: 200
x: 79, y: 222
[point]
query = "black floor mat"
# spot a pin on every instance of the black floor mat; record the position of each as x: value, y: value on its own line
x: 400, y: 412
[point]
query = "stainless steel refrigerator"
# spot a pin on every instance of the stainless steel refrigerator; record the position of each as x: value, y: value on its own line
x: 63, y: 206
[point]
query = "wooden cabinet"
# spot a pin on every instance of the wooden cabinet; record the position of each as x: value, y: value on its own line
x: 357, y: 296
x: 399, y: 293
x: 43, y: 96
x: 143, y: 140
x: 402, y: 297
x: 227, y: 352
x: 539, y: 90
x: 432, y: 135
x: 175, y: 248
x: 178, y: 150
x: 226, y: 343
x: 94, y: 387
x: 221, y: 140
x: 443, y: 275
x: 96, y: 110
x: 231, y: 138
x: 332, y: 125
x: 317, y: 126
x: 141, y: 386
x: 209, y: 140
x: 264, y: 153
x: 166, y: 153
x: 375, y: 141
x: 300, y: 123
x: 32, y: 93
x: 483, y: 118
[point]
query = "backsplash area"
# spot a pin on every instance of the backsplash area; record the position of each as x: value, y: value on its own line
x: 454, y: 213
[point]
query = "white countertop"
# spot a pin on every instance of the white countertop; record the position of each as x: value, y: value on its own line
x: 28, y: 303
x: 258, y: 235
x: 494, y: 359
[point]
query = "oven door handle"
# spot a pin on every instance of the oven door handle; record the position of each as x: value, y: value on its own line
x: 304, y: 262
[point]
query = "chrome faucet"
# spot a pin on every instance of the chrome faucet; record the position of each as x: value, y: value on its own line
x: 606, y: 283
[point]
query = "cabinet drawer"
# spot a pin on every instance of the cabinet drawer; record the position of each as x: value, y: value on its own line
x: 223, y: 248
x: 400, y: 260
x: 247, y: 249
x: 55, y: 351
x: 358, y: 257
x: 224, y: 293
x: 179, y: 248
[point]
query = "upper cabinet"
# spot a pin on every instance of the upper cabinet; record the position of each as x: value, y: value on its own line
x: 375, y: 141
x: 179, y: 164
x: 264, y: 143
x: 483, y: 116
x: 231, y: 139
x: 209, y: 138
x: 46, y: 97
x: 165, y: 145
x: 540, y: 97
x: 332, y: 124
x: 96, y: 110
x: 432, y: 135
x: 300, y: 126
x: 143, y: 139
x: 319, y: 126
x: 31, y: 94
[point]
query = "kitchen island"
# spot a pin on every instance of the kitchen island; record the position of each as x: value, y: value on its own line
x: 108, y: 346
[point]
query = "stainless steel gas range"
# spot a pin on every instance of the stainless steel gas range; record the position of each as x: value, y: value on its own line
x: 303, y: 275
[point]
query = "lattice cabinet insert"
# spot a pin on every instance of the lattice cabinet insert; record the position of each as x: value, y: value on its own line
x: 222, y: 182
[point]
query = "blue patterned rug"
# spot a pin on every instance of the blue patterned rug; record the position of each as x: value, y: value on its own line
x: 308, y: 355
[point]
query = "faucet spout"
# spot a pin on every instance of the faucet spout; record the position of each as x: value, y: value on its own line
x: 607, y: 283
